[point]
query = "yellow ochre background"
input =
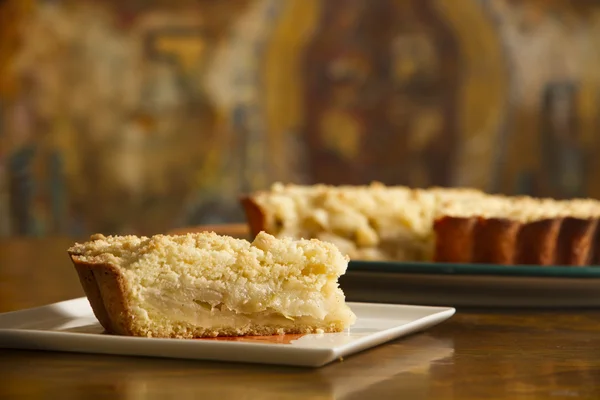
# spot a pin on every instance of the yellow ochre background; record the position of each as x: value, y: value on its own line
x: 141, y: 116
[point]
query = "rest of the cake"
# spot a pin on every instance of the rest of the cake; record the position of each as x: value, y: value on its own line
x: 207, y: 285
x: 378, y: 222
x: 371, y: 222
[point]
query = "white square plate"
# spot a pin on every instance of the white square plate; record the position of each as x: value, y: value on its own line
x: 71, y: 326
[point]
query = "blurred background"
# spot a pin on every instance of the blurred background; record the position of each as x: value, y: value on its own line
x: 131, y: 116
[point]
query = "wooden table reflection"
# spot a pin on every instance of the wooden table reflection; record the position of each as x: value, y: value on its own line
x: 477, y: 354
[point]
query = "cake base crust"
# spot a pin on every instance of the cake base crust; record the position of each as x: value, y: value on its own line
x: 556, y: 241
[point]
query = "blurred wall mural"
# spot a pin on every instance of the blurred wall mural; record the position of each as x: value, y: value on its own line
x: 140, y: 116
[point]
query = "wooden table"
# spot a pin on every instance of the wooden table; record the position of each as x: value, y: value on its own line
x: 474, y: 355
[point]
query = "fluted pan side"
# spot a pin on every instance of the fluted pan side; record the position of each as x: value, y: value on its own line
x: 558, y: 241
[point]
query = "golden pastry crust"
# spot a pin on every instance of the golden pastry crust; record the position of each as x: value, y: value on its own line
x: 254, y: 215
x: 556, y: 241
x: 104, y: 287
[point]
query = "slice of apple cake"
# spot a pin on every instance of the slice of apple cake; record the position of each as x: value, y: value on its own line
x: 207, y: 285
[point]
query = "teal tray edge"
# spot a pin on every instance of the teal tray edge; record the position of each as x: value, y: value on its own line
x: 553, y: 271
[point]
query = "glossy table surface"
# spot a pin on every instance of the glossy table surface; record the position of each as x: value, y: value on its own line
x: 477, y: 354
